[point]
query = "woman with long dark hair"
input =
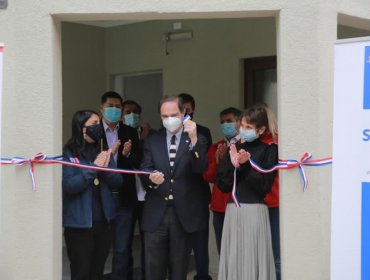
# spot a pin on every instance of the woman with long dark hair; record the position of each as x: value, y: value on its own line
x: 87, y: 198
x: 246, y: 250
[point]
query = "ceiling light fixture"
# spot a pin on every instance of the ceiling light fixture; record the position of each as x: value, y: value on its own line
x: 176, y: 36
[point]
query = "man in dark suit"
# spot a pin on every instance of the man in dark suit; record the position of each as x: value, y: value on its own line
x: 200, y: 238
x: 126, y: 151
x: 173, y: 202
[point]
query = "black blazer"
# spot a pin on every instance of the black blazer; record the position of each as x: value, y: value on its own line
x: 128, y: 190
x: 206, y: 133
x: 206, y: 192
x: 186, y: 182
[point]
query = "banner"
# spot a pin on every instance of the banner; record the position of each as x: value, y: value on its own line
x: 350, y: 228
x: 1, y: 106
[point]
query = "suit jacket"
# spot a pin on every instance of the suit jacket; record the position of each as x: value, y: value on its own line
x: 185, y: 181
x: 206, y: 192
x: 206, y: 133
x: 128, y: 190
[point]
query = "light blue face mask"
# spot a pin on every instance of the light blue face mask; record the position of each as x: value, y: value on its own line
x: 248, y: 135
x: 228, y: 129
x: 112, y: 114
x: 132, y: 120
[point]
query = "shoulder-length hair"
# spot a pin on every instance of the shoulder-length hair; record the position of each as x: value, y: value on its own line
x: 77, y: 142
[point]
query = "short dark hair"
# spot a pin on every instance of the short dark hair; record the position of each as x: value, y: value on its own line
x: 110, y: 94
x: 187, y: 98
x: 171, y: 98
x: 131, y: 102
x: 256, y: 115
x: 231, y: 110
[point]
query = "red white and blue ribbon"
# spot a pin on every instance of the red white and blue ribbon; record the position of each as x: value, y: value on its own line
x: 305, y: 160
x: 41, y: 158
x: 233, y: 194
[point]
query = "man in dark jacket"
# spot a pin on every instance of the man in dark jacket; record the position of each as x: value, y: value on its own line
x: 126, y: 151
x: 173, y: 202
x: 200, y: 238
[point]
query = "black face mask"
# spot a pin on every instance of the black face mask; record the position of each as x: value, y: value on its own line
x: 95, y: 132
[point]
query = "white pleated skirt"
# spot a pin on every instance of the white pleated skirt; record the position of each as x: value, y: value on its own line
x: 246, y: 250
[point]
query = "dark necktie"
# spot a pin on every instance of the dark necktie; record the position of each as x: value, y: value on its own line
x: 172, y: 152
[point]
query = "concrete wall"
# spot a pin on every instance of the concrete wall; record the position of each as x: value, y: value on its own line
x: 30, y: 243
x: 83, y: 62
x: 32, y: 119
x: 209, y: 66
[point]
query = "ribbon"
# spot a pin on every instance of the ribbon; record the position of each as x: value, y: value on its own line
x: 41, y: 158
x: 305, y: 160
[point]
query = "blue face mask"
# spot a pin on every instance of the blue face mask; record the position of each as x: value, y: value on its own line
x: 248, y: 135
x: 228, y: 129
x: 112, y: 114
x: 132, y: 120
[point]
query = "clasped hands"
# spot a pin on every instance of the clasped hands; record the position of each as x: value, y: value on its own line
x: 103, y: 158
x: 238, y: 157
x: 126, y: 147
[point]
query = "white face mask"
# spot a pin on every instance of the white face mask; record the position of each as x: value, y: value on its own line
x: 171, y: 123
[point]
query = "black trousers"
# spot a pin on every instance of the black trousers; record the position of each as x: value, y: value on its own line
x: 218, y: 225
x: 88, y: 250
x: 200, y: 248
x: 275, y: 238
x: 167, y: 250
x: 137, y: 217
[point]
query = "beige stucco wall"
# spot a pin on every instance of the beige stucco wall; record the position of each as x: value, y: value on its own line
x: 30, y: 246
x: 83, y: 71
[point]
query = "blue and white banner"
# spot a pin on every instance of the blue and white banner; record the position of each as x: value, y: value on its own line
x: 350, y: 228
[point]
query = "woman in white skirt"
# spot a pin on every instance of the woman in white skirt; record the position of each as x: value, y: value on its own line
x: 246, y: 250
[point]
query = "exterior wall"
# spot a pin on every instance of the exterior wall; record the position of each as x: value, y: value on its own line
x: 30, y: 243
x: 208, y: 66
x: 83, y: 62
x: 305, y: 86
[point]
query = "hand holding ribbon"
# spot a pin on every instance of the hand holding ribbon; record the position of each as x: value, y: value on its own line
x: 305, y: 160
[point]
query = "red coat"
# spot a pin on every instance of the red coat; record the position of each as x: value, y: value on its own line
x: 272, y: 198
x: 218, y: 199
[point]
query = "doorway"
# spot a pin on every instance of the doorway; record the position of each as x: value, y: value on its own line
x: 132, y: 60
x: 260, y: 82
x: 143, y: 88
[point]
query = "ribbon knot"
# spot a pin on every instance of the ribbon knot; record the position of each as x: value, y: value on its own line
x: 41, y: 158
x: 304, y: 160
x: 38, y: 158
x: 22, y: 161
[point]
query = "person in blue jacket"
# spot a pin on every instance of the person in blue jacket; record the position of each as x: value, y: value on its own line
x: 87, y: 198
